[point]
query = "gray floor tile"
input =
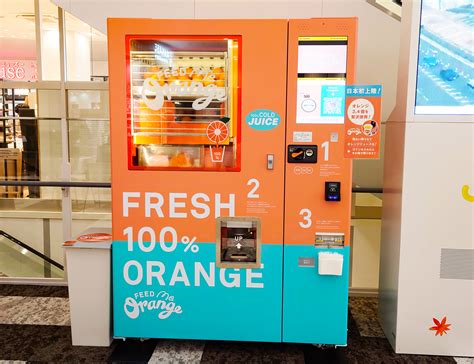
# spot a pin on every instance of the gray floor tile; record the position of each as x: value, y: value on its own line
x: 34, y: 310
x: 178, y: 351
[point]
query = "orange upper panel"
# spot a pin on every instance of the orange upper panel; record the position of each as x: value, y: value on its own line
x: 187, y: 194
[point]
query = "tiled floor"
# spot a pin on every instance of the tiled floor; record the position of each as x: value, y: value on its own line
x: 34, y: 327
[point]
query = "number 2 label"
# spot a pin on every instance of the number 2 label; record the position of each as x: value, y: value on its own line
x: 256, y: 184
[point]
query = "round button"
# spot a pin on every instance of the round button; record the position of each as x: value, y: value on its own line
x: 308, y: 105
x: 309, y: 152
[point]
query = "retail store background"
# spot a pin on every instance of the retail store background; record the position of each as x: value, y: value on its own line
x: 70, y: 96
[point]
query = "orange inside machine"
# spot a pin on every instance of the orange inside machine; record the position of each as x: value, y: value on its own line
x: 184, y: 113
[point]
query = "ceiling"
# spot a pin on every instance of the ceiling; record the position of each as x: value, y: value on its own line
x: 17, y: 29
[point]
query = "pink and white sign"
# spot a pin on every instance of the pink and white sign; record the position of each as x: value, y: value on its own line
x: 18, y: 70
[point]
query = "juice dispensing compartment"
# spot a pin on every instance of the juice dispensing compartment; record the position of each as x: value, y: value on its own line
x: 238, y: 242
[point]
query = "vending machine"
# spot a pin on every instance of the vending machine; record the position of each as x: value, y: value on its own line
x: 230, y: 191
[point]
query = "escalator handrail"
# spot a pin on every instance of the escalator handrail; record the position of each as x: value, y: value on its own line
x: 32, y: 250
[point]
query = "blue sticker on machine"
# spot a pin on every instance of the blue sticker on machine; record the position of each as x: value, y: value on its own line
x: 263, y: 119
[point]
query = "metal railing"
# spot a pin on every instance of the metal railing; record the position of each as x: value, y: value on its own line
x: 56, y: 184
x: 108, y: 185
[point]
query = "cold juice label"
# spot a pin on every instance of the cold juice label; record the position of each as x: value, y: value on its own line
x: 263, y: 119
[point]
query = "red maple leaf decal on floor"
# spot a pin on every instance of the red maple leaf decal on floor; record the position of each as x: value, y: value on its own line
x: 441, y: 328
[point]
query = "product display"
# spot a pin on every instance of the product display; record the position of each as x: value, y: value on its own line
x: 179, y: 87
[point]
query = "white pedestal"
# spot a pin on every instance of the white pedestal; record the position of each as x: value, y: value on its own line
x: 89, y: 277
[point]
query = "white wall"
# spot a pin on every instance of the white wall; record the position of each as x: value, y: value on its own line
x: 78, y: 56
x: 50, y: 65
x: 365, y: 254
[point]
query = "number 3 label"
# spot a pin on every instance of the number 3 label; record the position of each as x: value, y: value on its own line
x: 306, y: 215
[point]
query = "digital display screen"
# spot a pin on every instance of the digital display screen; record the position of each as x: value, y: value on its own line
x: 322, y: 63
x: 445, y: 77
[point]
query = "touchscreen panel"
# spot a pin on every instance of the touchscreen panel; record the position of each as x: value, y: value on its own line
x: 322, y: 63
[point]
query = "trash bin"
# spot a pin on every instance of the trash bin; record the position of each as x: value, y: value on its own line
x: 88, y: 262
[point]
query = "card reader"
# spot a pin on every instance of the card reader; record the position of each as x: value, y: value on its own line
x: 332, y: 191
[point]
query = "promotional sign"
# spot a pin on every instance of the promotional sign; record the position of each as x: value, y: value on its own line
x: 362, y: 122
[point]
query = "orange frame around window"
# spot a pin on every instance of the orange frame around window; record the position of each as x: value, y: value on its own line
x: 236, y: 97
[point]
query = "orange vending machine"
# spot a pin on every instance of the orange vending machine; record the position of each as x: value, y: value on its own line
x: 231, y: 196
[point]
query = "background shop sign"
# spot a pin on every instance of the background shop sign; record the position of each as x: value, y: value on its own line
x: 18, y: 70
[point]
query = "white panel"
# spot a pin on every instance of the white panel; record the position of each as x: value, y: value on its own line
x: 260, y: 9
x: 439, y: 160
x: 89, y: 296
x: 322, y: 58
x: 391, y: 221
x: 95, y: 13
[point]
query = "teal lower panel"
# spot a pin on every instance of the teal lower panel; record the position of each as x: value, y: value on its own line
x: 314, y: 306
x: 182, y: 295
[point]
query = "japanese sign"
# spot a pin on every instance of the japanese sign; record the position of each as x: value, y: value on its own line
x: 362, y: 122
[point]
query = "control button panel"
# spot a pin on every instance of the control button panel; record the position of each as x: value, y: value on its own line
x: 332, y: 191
x: 302, y: 154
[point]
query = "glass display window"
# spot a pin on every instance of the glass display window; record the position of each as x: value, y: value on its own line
x: 184, y: 99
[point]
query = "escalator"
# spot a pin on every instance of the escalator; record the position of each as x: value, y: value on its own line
x: 19, y: 260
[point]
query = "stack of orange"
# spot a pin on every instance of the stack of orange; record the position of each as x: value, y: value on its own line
x: 148, y: 120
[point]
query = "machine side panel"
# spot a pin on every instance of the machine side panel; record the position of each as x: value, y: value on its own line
x: 391, y: 229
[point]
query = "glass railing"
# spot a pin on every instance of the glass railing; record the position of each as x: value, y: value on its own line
x: 17, y: 259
